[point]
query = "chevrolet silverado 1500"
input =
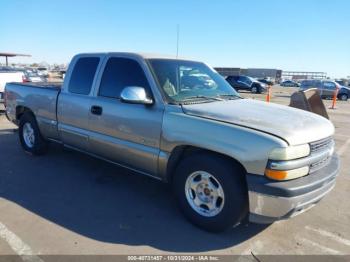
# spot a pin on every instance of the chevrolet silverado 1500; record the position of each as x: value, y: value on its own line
x: 179, y: 121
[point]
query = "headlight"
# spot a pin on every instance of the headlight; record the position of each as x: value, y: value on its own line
x: 289, y: 153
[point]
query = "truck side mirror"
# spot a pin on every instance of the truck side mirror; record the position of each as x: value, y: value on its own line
x: 135, y: 95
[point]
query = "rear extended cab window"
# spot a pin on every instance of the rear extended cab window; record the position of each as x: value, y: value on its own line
x: 83, y: 75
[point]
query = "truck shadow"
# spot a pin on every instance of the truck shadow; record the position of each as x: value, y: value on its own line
x: 103, y: 202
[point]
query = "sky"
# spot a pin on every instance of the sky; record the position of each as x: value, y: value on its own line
x: 308, y: 35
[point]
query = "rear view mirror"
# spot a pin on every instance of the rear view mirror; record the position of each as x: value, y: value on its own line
x: 135, y: 95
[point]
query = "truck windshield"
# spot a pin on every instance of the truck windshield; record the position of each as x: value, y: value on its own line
x: 184, y: 81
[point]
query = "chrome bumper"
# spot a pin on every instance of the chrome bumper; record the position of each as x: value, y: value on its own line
x: 270, y: 201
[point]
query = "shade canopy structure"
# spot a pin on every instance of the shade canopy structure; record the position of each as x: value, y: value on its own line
x: 7, y: 55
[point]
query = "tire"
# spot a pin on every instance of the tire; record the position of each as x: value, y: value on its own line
x: 223, y: 174
x: 343, y: 97
x: 255, y: 89
x: 29, y: 135
x: 259, y: 89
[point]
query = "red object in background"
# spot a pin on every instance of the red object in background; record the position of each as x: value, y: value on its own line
x: 334, y: 97
x: 268, y: 95
x: 24, y: 79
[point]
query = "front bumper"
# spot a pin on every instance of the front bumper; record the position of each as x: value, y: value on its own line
x: 270, y: 200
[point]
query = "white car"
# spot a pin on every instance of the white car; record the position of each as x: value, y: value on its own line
x: 31, y: 76
x: 8, y: 75
x: 43, y: 71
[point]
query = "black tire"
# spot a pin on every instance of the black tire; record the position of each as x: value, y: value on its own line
x: 259, y: 89
x: 255, y: 89
x: 231, y: 178
x: 39, y: 145
x: 343, y: 97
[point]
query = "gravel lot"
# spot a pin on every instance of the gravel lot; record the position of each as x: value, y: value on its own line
x: 68, y: 203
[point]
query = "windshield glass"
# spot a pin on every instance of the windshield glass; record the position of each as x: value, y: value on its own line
x: 187, y: 80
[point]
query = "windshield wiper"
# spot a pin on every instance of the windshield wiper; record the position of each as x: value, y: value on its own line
x: 230, y: 96
x: 215, y: 98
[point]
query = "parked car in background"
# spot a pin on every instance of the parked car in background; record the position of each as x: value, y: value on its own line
x: 43, y: 71
x: 246, y: 83
x: 62, y: 73
x: 8, y: 74
x: 31, y: 76
x: 344, y: 93
x: 327, y: 88
x: 289, y: 83
x: 226, y: 158
x: 266, y: 81
x: 343, y: 82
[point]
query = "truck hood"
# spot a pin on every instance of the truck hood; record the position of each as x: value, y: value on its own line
x: 292, y: 125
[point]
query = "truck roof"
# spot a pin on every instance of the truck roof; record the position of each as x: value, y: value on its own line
x: 142, y: 55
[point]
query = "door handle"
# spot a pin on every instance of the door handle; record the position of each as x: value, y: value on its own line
x: 96, y: 110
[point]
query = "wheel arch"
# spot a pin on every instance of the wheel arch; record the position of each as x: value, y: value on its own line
x: 21, y: 110
x: 182, y: 151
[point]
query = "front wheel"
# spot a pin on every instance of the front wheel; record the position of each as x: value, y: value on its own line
x: 343, y: 97
x: 29, y: 135
x: 255, y: 90
x: 211, y: 191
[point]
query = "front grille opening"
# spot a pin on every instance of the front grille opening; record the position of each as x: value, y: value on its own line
x: 321, y: 145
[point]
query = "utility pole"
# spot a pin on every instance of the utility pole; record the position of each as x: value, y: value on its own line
x: 177, y: 39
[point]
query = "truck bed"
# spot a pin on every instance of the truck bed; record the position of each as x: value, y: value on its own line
x: 40, y: 98
x: 46, y: 85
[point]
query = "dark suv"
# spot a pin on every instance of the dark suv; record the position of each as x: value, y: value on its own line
x: 327, y: 88
x: 246, y: 83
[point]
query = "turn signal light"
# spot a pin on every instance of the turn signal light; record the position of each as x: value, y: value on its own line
x: 286, y: 174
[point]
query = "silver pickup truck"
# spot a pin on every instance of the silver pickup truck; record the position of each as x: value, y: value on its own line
x: 179, y: 121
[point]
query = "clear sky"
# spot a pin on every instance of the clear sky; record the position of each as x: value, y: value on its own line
x: 309, y: 35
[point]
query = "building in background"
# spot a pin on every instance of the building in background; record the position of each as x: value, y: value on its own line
x: 266, y: 73
x: 228, y: 71
x: 274, y: 75
x: 299, y: 75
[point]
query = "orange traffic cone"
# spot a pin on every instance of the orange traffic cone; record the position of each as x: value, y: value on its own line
x: 268, y: 95
x: 334, y: 98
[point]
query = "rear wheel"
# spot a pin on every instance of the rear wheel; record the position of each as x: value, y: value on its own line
x: 211, y: 191
x: 29, y: 135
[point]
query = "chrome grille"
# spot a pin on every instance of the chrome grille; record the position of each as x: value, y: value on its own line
x: 321, y: 145
x: 318, y: 147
